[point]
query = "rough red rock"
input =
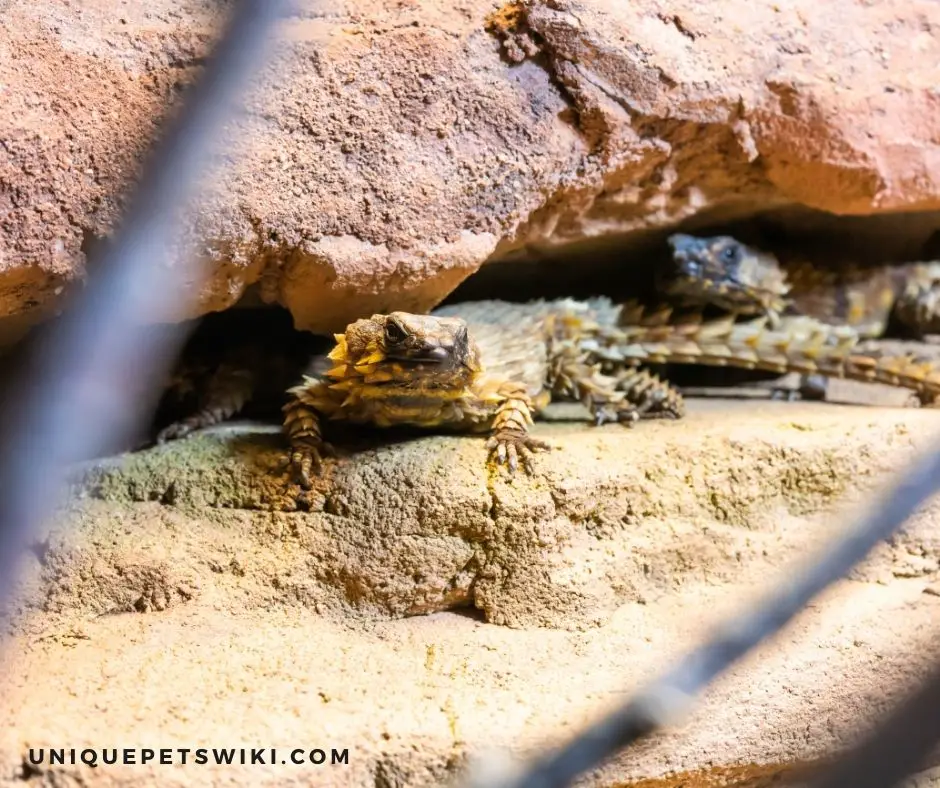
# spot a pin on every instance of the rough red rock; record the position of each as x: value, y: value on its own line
x: 390, y: 149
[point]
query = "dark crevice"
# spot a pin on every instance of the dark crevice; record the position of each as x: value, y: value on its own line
x: 621, y: 267
x: 468, y: 612
x: 625, y: 266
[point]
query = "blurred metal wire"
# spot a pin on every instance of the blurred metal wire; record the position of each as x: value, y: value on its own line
x: 664, y: 701
x: 73, y: 397
x: 898, y: 747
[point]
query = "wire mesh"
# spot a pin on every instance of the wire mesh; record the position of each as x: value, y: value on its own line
x: 668, y: 697
x: 72, y: 399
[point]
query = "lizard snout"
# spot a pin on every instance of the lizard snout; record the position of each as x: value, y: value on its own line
x: 687, y: 252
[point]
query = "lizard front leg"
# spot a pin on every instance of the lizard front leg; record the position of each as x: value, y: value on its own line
x: 229, y: 388
x: 302, y: 426
x: 613, y: 391
x: 650, y: 395
x: 598, y: 392
x: 809, y: 388
x: 510, y: 437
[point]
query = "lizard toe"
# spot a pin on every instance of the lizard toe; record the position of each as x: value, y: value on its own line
x: 306, y: 462
x: 783, y: 394
x: 511, y: 447
x: 173, y: 432
x: 620, y: 414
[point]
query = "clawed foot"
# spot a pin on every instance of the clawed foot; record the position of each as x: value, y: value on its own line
x: 175, y: 431
x: 611, y: 414
x: 198, y: 421
x: 628, y: 415
x: 784, y: 394
x: 671, y: 412
x: 304, y: 460
x: 511, y: 445
x: 809, y: 394
x: 811, y: 388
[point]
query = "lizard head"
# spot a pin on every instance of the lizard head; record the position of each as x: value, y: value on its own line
x: 407, y: 351
x: 726, y: 273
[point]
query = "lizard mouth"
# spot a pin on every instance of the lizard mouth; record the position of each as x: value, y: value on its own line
x: 720, y: 293
x: 443, y: 354
x: 692, y: 267
x: 688, y: 266
x: 696, y: 276
x: 434, y: 355
x: 691, y: 278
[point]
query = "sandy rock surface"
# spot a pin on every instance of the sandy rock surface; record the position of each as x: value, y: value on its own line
x: 389, y: 149
x: 188, y: 602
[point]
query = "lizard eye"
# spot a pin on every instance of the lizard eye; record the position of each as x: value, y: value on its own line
x: 394, y: 333
x: 730, y: 254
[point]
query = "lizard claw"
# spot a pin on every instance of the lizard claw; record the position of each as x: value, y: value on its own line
x: 812, y: 388
x: 208, y: 417
x: 306, y: 459
x: 626, y: 415
x: 175, y: 431
x: 512, y: 445
x: 782, y: 394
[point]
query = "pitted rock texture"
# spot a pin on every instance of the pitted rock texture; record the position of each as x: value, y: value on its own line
x: 180, y: 605
x: 388, y: 150
x: 404, y: 524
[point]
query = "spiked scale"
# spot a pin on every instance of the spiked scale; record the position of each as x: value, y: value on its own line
x: 795, y: 344
x: 429, y: 370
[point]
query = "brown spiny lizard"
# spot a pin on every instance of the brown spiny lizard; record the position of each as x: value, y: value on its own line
x: 238, y: 362
x: 490, y: 366
x: 897, y: 300
x: 727, y: 273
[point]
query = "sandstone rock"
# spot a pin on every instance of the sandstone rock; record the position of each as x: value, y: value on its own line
x: 388, y: 150
x: 180, y: 593
x: 407, y: 524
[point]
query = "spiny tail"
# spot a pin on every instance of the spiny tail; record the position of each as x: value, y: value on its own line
x: 794, y: 344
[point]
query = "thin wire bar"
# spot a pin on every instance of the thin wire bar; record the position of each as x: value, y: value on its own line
x: 898, y: 747
x: 665, y: 700
x: 74, y: 397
